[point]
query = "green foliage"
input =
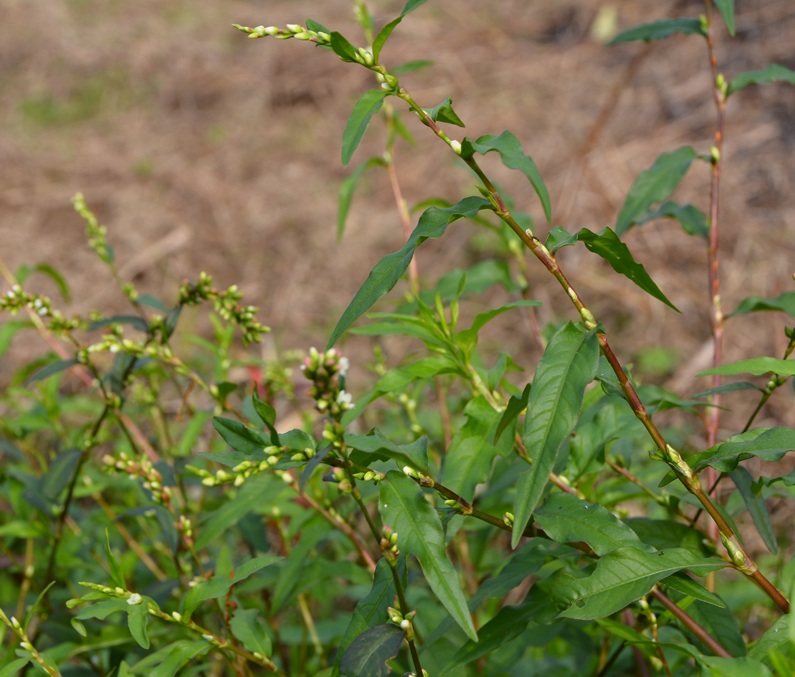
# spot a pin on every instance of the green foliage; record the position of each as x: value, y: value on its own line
x: 468, y: 514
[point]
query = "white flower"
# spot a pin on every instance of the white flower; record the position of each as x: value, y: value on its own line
x: 134, y: 599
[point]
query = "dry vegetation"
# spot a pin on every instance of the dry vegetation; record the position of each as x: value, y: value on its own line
x: 202, y: 150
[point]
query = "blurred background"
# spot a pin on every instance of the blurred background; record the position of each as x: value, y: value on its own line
x: 202, y: 150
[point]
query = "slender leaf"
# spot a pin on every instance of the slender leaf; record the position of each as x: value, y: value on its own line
x: 469, y: 337
x: 411, y: 5
x: 568, y: 519
x: 137, y: 621
x: 720, y: 623
x: 756, y: 366
x: 783, y: 302
x: 253, y: 634
x: 690, y: 217
x: 116, y: 575
x: 726, y: 8
x: 372, y: 608
x: 388, y: 271
x: 379, y: 447
x: 776, y: 637
x: 654, y: 185
x: 566, y: 367
x: 411, y: 67
x: 687, y: 586
x: 617, y: 254
x: 341, y: 47
x: 444, y: 113
x: 769, y: 444
x: 368, y: 653
x: 383, y: 36
x: 367, y: 106
x: 756, y: 507
x: 240, y: 436
x: 218, y: 586
x: 50, y: 370
x: 14, y: 668
x: 772, y: 73
x: 346, y: 192
x: 715, y: 666
x: 516, y: 405
x: 513, y: 157
x: 313, y: 25
x: 623, y: 576
x: 403, y: 507
x: 659, y: 30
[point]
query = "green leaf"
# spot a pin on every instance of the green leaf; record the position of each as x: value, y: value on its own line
x: 153, y: 302
x: 403, y: 507
x: 372, y: 608
x: 568, y: 519
x: 471, y: 452
x: 516, y: 405
x: 659, y: 30
x: 383, y: 36
x: 469, y: 337
x: 513, y: 157
x: 267, y: 414
x: 687, y: 586
x: 726, y: 8
x: 14, y: 668
x: 622, y: 577
x: 411, y: 5
x: 617, y: 254
x: 24, y: 272
x: 568, y: 365
x: 772, y: 73
x: 116, y: 575
x: 239, y: 436
x: 50, y: 370
x: 756, y: 366
x: 756, y: 507
x: 444, y: 113
x: 137, y: 620
x: 775, y: 637
x: 690, y: 217
x: 168, y: 661
x: 253, y: 634
x: 732, y: 667
x: 346, y: 192
x: 313, y: 25
x: 381, y: 448
x: 412, y: 66
x: 721, y: 624
x: 368, y: 653
x: 783, y: 302
x: 341, y: 47
x: 769, y: 444
x: 367, y: 106
x: 218, y: 586
x: 654, y: 185
x: 135, y: 321
x: 388, y: 271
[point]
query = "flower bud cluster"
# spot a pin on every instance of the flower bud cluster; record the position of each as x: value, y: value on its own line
x: 289, y: 31
x: 246, y: 469
x: 185, y: 527
x: 328, y: 371
x: 388, y: 544
x: 404, y: 621
x: 141, y: 469
x: 16, y: 299
x: 227, y: 305
x: 97, y: 234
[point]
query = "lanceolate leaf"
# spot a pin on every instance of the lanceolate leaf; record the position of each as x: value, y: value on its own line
x: 383, y: 36
x: 783, y: 302
x: 756, y: 366
x: 756, y: 506
x: 772, y: 73
x: 726, y: 8
x: 617, y: 254
x: 346, y: 192
x: 568, y: 519
x: 403, y: 507
x: 513, y: 157
x: 387, y: 272
x: 516, y: 405
x: 379, y: 447
x: 411, y: 5
x: 568, y: 365
x: 341, y: 47
x: 769, y: 444
x: 658, y: 30
x: 690, y: 217
x: 372, y: 608
x: 623, y: 576
x: 239, y: 436
x: 367, y: 106
x: 368, y: 653
x: 654, y: 185
x: 50, y: 370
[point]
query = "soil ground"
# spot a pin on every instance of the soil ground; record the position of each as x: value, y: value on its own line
x: 202, y: 150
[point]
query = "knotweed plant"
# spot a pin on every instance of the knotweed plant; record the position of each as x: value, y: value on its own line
x: 458, y: 516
